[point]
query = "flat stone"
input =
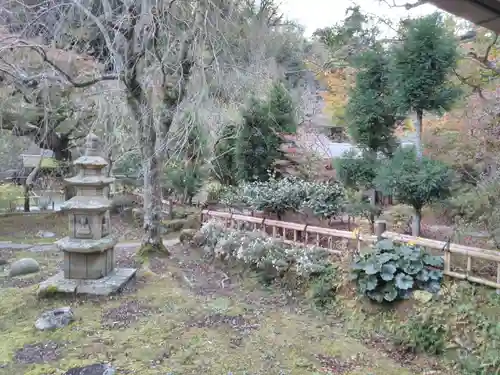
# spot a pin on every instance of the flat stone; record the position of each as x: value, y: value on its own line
x: 110, y: 284
x: 23, y: 267
x: 56, y: 318
x: 422, y: 296
x: 45, y: 234
x: 74, y: 245
x: 14, y: 246
x: 96, y: 369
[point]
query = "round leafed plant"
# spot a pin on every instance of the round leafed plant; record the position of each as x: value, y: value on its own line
x: 391, y: 271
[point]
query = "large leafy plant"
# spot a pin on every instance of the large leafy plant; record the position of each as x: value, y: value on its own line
x: 391, y: 271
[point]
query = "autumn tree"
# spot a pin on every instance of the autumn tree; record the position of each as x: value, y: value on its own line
x: 354, y: 34
x: 420, y: 69
x: 345, y: 41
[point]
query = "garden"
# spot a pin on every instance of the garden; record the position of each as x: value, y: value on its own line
x: 220, y: 294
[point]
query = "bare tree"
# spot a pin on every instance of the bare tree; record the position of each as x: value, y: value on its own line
x: 155, y: 54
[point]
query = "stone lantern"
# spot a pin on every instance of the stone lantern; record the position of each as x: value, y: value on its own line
x: 89, y: 250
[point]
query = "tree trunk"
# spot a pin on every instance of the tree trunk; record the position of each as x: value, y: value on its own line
x: 415, y: 224
x: 26, y: 198
x: 418, y: 129
x: 152, y: 196
x: 30, y: 180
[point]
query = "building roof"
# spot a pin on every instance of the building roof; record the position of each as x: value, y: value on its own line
x: 485, y: 13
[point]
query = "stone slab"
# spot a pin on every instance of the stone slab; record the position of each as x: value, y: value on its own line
x: 105, y: 286
x: 75, y: 245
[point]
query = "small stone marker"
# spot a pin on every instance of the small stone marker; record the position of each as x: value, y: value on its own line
x: 89, y: 250
x: 97, y: 369
x: 53, y: 319
x: 24, y: 266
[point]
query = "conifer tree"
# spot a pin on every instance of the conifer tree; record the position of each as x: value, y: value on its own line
x: 420, y: 68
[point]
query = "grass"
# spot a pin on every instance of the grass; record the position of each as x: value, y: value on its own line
x: 180, y: 318
x: 185, y: 316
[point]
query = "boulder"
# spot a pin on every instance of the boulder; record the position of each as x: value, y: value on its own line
x: 97, y: 369
x: 23, y: 267
x: 53, y: 319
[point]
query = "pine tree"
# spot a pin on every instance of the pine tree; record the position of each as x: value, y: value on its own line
x: 257, y: 143
x: 369, y: 113
x: 420, y: 68
x: 223, y: 164
x: 282, y: 108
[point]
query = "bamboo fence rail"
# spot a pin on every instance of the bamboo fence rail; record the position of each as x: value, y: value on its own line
x: 308, y: 234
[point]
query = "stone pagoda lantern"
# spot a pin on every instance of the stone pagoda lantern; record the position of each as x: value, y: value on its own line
x: 89, y: 250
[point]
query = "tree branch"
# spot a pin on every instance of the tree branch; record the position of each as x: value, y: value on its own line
x: 407, y: 6
x: 41, y: 52
x: 466, y: 81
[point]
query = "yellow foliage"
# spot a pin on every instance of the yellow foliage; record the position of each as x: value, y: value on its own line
x: 338, y: 83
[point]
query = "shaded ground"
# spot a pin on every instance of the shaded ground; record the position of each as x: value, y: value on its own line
x: 181, y: 316
x: 26, y: 228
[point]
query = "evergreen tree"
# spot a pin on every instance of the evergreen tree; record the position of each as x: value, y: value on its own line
x: 420, y: 68
x: 223, y: 165
x: 416, y: 182
x: 369, y: 113
x: 282, y: 108
x: 257, y: 143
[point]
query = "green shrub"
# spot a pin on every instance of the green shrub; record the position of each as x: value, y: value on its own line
x: 290, y: 193
x: 10, y: 196
x: 322, y: 289
x: 423, y: 333
x: 271, y: 257
x: 391, y: 271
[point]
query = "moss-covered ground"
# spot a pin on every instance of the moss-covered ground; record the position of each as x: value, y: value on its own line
x: 181, y: 316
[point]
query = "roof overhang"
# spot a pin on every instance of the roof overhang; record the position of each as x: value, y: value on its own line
x: 485, y: 13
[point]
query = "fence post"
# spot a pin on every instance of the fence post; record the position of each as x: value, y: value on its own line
x: 380, y: 228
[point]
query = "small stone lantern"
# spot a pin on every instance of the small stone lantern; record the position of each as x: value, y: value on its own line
x: 89, y: 258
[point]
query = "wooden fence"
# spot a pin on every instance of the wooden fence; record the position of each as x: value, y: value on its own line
x: 295, y: 233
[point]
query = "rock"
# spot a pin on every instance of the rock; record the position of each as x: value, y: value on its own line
x: 3, y: 262
x: 23, y: 267
x: 422, y: 296
x: 44, y: 234
x: 187, y: 235
x: 57, y: 318
x: 97, y: 369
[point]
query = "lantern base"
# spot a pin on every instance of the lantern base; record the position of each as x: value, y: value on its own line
x: 113, y: 283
